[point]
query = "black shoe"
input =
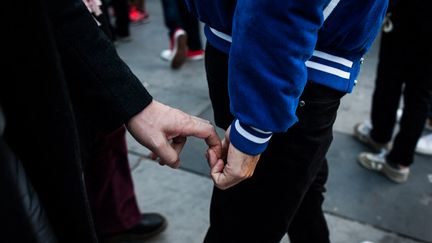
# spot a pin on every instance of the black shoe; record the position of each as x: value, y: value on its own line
x: 150, y: 225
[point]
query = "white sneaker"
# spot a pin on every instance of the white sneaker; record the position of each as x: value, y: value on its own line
x: 362, y: 133
x: 179, y: 48
x: 372, y: 161
x: 177, y: 54
x: 424, y: 145
x: 377, y: 162
x: 167, y: 55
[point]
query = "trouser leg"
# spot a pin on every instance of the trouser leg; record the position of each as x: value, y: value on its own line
x: 417, y: 99
x: 172, y: 17
x: 310, y: 216
x: 261, y: 208
x: 387, y: 93
x: 110, y: 186
x: 121, y: 11
x: 191, y: 26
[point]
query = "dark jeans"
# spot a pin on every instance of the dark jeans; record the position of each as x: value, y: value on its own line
x: 110, y: 186
x: 105, y: 21
x: 285, y: 194
x: 402, y: 72
x: 122, y: 21
x: 176, y: 15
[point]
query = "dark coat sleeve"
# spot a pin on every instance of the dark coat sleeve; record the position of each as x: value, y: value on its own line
x: 104, y: 91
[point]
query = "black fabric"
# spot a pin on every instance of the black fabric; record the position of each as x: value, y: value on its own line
x: 66, y: 85
x: 2, y: 122
x: 122, y: 21
x: 404, y: 71
x: 176, y: 15
x: 288, y: 184
x: 20, y: 209
x: 101, y: 84
x: 41, y: 126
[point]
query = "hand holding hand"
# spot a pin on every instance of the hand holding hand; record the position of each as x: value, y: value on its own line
x: 239, y: 166
x: 164, y: 129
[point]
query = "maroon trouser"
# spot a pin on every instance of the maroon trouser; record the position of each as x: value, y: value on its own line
x: 110, y: 186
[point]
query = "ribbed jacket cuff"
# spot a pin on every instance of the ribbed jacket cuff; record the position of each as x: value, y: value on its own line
x: 248, y: 139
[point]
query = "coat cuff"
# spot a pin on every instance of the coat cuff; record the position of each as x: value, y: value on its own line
x: 248, y: 139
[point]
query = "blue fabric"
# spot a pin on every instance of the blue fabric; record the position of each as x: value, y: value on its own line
x: 245, y: 145
x: 273, y: 40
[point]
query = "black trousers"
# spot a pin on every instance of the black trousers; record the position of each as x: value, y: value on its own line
x: 176, y: 15
x: 285, y: 194
x: 122, y: 21
x: 404, y: 70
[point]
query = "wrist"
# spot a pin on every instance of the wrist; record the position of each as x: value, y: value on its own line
x: 248, y: 139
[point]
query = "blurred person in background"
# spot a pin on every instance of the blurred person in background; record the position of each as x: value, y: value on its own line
x: 183, y: 32
x: 138, y: 12
x: 404, y: 70
x: 424, y: 145
x: 118, y: 19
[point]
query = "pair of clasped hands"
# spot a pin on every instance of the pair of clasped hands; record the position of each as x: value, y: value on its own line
x: 164, y: 130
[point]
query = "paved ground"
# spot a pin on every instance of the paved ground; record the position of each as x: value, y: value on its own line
x: 359, y: 205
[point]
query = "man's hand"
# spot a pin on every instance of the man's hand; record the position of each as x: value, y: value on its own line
x: 239, y: 166
x: 163, y: 130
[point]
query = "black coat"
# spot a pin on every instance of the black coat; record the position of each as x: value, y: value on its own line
x: 66, y: 85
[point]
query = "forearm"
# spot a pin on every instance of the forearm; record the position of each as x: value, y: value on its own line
x: 271, y: 41
x: 101, y: 84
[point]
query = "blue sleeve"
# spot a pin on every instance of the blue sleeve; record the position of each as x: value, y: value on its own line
x: 271, y: 41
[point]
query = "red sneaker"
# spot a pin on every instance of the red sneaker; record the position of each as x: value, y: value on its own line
x: 138, y: 16
x: 179, y: 48
x: 167, y: 55
x: 195, y: 55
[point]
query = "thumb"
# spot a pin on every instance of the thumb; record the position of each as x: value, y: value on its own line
x: 217, y: 170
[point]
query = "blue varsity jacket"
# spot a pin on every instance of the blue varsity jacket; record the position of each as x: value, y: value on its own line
x: 275, y: 46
